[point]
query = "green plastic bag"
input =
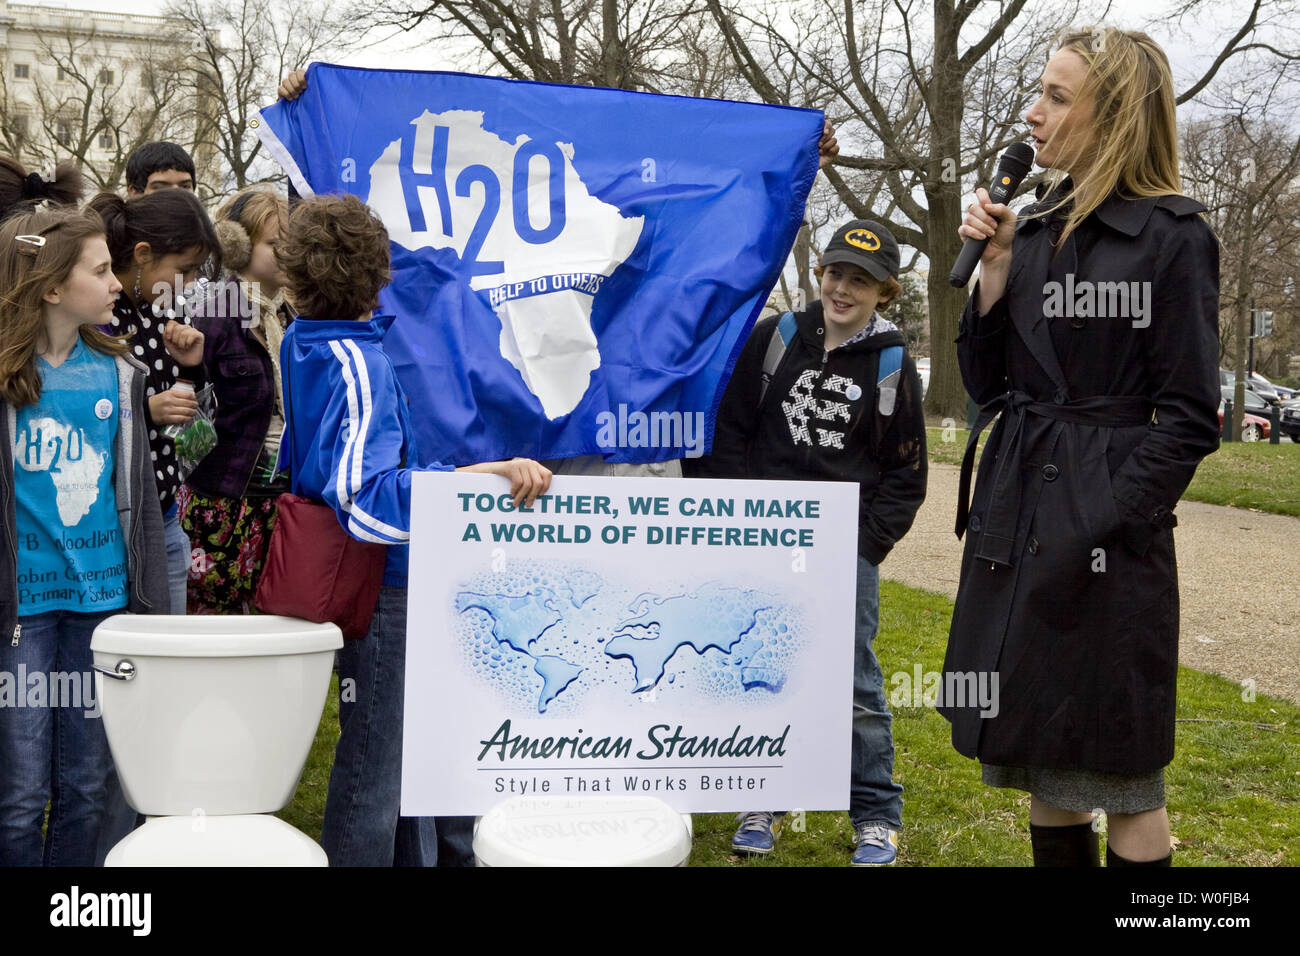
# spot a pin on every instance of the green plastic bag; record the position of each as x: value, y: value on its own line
x: 194, y: 439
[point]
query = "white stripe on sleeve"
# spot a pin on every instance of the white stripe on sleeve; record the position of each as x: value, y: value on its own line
x: 367, y: 409
x: 341, y: 479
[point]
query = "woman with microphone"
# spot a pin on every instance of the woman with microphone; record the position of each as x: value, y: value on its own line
x: 1093, y: 330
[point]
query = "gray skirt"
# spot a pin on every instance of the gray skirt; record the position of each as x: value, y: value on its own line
x: 1084, y: 791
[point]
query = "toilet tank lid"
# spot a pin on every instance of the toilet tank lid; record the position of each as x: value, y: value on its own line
x: 252, y: 635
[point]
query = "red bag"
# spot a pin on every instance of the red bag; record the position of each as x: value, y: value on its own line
x: 317, y: 571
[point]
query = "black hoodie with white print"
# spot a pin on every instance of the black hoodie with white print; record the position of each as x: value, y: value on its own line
x: 821, y: 419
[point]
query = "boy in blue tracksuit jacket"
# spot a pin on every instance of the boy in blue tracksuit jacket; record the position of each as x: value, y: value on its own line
x: 351, y: 437
x: 348, y: 442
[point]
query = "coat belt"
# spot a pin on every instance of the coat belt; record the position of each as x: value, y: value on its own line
x: 998, y: 531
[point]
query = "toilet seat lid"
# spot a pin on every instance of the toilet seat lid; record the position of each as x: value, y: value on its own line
x: 254, y: 839
x: 584, y: 831
x: 212, y: 635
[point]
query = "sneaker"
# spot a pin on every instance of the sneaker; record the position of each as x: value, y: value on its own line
x: 757, y: 833
x: 875, y: 845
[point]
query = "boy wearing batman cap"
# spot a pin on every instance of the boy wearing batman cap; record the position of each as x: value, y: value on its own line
x: 829, y: 394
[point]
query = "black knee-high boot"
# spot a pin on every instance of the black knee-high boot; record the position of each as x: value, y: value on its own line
x: 1114, y: 859
x: 1074, y: 845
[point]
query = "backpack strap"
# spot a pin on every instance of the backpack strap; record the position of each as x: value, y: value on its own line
x: 776, y: 346
x: 891, y: 371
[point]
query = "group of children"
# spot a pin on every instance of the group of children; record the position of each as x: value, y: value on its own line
x: 92, y: 346
x: 98, y: 355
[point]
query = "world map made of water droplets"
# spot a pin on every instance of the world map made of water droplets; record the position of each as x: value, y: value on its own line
x: 545, y: 635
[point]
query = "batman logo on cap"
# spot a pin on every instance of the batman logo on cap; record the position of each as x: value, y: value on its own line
x: 863, y: 239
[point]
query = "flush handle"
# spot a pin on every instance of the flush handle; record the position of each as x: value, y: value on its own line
x: 124, y: 670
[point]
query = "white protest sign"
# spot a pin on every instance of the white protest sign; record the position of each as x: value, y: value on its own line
x: 687, y: 639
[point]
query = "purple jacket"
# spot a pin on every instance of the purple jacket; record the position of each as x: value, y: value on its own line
x: 240, y: 370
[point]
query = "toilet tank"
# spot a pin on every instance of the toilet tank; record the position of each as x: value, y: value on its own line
x: 219, y: 713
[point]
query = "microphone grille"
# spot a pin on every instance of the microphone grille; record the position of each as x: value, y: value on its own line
x: 1018, y: 155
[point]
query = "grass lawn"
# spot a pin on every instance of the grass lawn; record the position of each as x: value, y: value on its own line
x: 947, y: 445
x: 1243, y: 474
x: 1233, y: 788
x: 1251, y: 475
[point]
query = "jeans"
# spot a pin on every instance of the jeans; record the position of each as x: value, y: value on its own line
x: 120, y: 818
x: 53, y: 746
x: 362, y: 826
x: 178, y: 558
x: 874, y: 797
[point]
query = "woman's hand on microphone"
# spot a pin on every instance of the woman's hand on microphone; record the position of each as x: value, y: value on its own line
x: 989, y: 220
x: 996, y: 223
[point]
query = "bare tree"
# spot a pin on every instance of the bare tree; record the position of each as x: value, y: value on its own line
x: 1247, y: 171
x: 86, y: 105
x: 927, y: 94
x: 239, y: 50
x: 621, y: 44
x: 909, y: 102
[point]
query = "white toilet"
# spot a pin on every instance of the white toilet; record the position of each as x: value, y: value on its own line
x: 210, y: 721
x: 629, y: 830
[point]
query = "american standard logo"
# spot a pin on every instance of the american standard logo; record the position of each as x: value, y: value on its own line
x: 1102, y: 300
x: 662, y: 740
x: 76, y: 908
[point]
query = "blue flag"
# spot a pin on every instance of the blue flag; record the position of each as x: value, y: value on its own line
x: 574, y: 269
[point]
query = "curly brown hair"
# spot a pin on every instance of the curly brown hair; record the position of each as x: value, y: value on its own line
x: 335, y: 258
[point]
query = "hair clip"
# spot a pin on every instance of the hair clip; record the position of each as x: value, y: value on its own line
x: 31, y: 245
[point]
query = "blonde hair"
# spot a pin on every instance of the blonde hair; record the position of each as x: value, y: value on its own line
x: 890, y: 288
x: 1134, y: 132
x: 258, y: 209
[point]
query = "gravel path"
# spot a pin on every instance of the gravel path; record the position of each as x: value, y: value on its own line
x: 1239, y: 582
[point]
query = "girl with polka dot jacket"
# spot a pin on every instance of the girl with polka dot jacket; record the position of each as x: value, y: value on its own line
x: 158, y: 242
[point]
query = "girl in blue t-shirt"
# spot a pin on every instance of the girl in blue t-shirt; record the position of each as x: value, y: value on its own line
x: 74, y: 551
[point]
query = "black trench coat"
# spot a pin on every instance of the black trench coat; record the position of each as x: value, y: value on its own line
x: 1069, y: 585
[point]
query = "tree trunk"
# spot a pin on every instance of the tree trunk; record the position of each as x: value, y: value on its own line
x: 1243, y: 282
x: 802, y: 261
x: 946, y: 395
x: 612, y: 47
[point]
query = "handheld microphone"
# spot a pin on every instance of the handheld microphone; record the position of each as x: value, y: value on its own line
x: 1012, y: 169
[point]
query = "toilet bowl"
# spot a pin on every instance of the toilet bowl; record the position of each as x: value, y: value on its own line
x: 583, y: 831
x: 210, y: 720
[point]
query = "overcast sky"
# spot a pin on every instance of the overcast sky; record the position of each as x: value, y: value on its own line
x: 1190, y: 49
x: 1191, y: 46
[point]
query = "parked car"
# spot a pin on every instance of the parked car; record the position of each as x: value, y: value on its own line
x: 1253, y: 428
x: 1255, y: 403
x: 1290, y: 423
x: 923, y: 369
x: 1255, y: 383
x: 1263, y: 388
